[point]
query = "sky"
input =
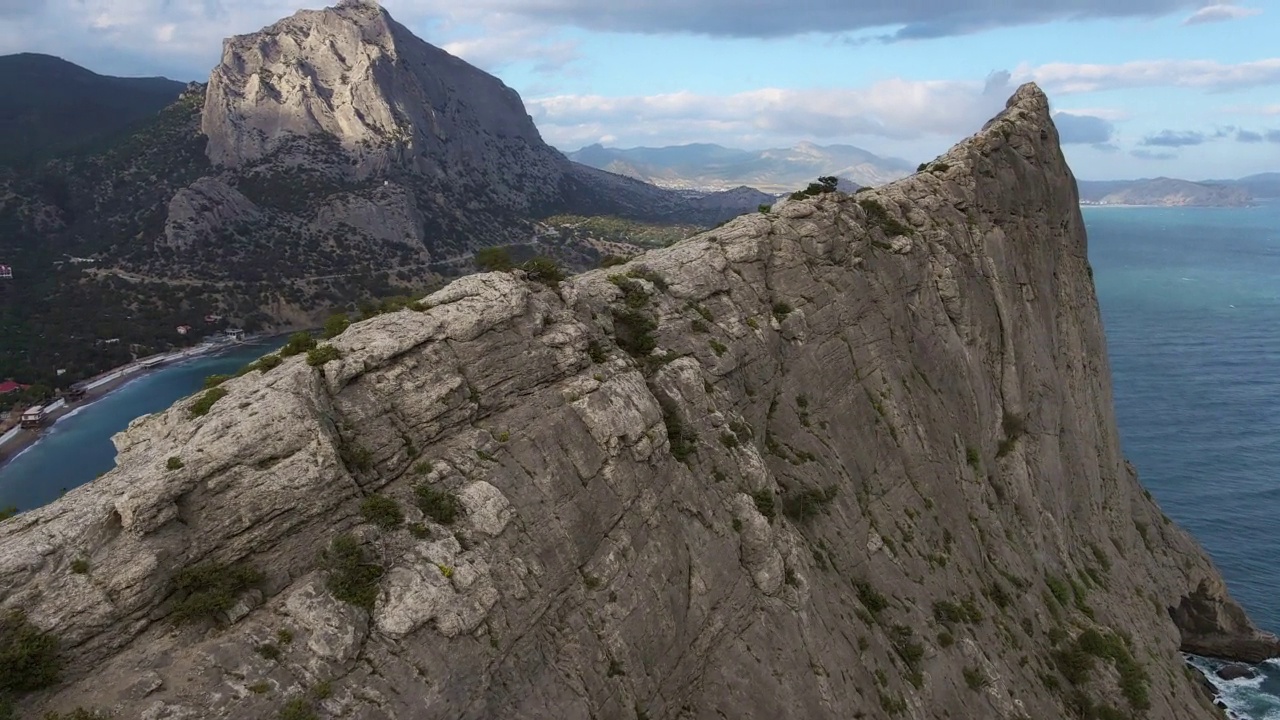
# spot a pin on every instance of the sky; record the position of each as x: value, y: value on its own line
x: 1139, y: 88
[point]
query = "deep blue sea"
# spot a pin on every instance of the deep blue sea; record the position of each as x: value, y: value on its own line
x: 1191, y: 303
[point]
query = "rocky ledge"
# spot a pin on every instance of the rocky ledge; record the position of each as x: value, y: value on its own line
x: 854, y: 456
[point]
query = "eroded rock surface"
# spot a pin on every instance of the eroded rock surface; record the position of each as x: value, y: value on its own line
x: 855, y: 457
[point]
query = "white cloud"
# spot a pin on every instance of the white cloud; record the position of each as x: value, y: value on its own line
x: 1220, y: 12
x: 894, y: 109
x: 1199, y: 74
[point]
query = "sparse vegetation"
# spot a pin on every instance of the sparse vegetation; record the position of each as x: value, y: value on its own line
x: 870, y: 598
x: 352, y: 576
x: 808, y: 503
x: 877, y: 214
x: 718, y: 347
x: 29, y: 657
x: 269, y: 651
x: 765, y: 209
x: 297, y: 344
x: 318, y: 356
x: 174, y: 463
x: 208, y: 589
x: 493, y: 259
x: 441, y: 506
x: 543, y: 270
x: 975, y: 678
x: 764, y: 502
x: 214, y: 381
x: 354, y: 455
x: 205, y: 402
x: 80, y: 566
x: 596, y: 351
x: 682, y: 439
x: 1014, y: 428
x: 634, y: 331
x: 781, y: 310
x: 335, y: 325
x: 298, y: 709
x: 825, y: 184
x: 382, y: 511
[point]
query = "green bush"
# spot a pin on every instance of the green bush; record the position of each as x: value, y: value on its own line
x: 870, y: 598
x: 205, y: 402
x: 608, y: 261
x: 441, y: 506
x: 29, y: 657
x: 634, y: 331
x: 354, y: 455
x: 382, y: 511
x: 493, y: 259
x: 645, y: 272
x: 764, y: 502
x: 297, y: 344
x: 335, y: 325
x: 543, y: 270
x: 174, y: 463
x: 298, y: 709
x: 718, y: 347
x: 975, y: 679
x: 596, y: 351
x: 808, y: 503
x: 214, y: 381
x: 352, y: 577
x: 208, y: 589
x: 877, y: 214
x: 682, y: 439
x: 80, y: 566
x: 8, y: 512
x: 318, y: 356
x: 765, y: 209
x: 781, y: 310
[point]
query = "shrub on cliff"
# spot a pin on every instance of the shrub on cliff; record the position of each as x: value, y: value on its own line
x: 493, y: 259
x: 205, y: 402
x: 298, y: 343
x: 440, y: 505
x: 206, y: 590
x: 382, y: 511
x: 353, y: 578
x: 318, y: 356
x: 335, y: 325
x: 29, y: 657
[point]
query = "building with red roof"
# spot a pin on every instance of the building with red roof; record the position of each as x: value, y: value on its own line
x: 9, y: 386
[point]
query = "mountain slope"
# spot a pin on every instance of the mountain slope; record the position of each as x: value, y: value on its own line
x: 52, y: 106
x: 703, y: 166
x: 854, y: 457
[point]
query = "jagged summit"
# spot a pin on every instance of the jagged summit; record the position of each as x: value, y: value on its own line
x: 852, y: 457
x: 352, y: 76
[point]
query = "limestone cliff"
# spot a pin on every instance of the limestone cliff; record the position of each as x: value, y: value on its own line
x: 855, y: 457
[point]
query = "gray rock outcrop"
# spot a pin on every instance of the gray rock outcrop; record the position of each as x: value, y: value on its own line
x: 855, y: 457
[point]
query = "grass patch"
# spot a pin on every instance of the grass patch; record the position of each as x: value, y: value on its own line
x: 870, y: 598
x: 174, y: 463
x: 80, y: 566
x: 765, y: 503
x: 718, y: 347
x: 206, y: 590
x: 298, y: 709
x: 214, y: 381
x: 633, y: 331
x: 975, y: 678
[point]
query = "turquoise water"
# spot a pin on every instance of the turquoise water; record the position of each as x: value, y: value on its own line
x: 1191, y: 303
x: 78, y: 447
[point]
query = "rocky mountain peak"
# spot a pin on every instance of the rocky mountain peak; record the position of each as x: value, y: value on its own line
x: 353, y: 77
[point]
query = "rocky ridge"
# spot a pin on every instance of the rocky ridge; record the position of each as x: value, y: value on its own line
x: 853, y: 457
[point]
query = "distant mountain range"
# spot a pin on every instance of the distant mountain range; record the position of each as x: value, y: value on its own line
x: 1167, y: 192
x: 715, y: 167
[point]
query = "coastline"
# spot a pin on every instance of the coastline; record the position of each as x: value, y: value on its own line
x: 17, y: 440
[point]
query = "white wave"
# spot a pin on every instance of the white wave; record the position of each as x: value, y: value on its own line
x: 1244, y: 697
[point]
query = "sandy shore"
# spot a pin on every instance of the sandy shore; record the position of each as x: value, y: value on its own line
x: 16, y: 440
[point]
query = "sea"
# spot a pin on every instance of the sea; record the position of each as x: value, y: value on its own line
x: 77, y: 448
x: 1190, y: 301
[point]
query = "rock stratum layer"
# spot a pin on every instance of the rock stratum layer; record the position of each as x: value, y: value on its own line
x: 855, y: 457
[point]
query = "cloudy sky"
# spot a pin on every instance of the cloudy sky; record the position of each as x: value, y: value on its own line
x: 1141, y: 87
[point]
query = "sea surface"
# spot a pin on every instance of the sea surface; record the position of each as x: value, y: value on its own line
x: 78, y: 447
x: 1191, y: 303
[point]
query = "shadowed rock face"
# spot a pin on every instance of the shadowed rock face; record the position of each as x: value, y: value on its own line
x: 901, y: 492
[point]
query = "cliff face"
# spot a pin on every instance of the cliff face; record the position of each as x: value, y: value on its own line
x: 852, y: 458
